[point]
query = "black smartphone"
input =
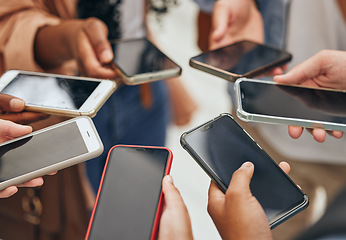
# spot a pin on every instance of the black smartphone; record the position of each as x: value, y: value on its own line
x: 139, y: 61
x: 129, y: 200
x: 240, y: 59
x: 221, y: 146
x: 270, y: 102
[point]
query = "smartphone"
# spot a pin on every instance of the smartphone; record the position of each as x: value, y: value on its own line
x: 57, y: 94
x: 129, y: 200
x: 270, y: 102
x: 139, y: 61
x: 220, y: 146
x: 240, y: 59
x: 48, y: 150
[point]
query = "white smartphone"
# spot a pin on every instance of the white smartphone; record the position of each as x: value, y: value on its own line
x: 270, y: 102
x: 139, y: 61
x: 48, y: 150
x: 57, y: 94
x: 240, y: 59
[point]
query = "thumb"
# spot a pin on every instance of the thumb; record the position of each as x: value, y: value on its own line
x: 240, y: 182
x: 302, y: 72
x: 9, y: 103
x: 97, y: 33
x: 9, y: 130
x: 170, y: 192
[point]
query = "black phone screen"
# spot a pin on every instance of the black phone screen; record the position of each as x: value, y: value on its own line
x: 222, y: 147
x: 40, y: 150
x: 54, y: 92
x: 138, y: 56
x: 242, y: 57
x: 129, y: 194
x: 293, y: 102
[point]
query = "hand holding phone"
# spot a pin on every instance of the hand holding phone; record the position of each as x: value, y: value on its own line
x: 235, y: 211
x: 129, y: 200
x: 270, y: 102
x: 241, y: 59
x: 57, y: 94
x: 48, y: 150
x: 221, y: 146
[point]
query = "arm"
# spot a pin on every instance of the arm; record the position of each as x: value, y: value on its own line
x: 326, y: 69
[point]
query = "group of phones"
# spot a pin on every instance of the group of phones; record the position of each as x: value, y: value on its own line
x: 293, y: 105
x: 129, y: 201
x: 133, y: 174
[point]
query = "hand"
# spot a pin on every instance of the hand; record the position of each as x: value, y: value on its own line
x: 82, y: 40
x: 325, y: 69
x: 183, y: 106
x: 237, y: 214
x: 8, y: 131
x: 175, y: 221
x: 11, y: 108
x: 235, y: 20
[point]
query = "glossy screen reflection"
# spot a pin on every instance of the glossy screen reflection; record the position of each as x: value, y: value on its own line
x: 140, y: 56
x: 130, y: 194
x: 224, y: 147
x: 41, y: 150
x: 52, y: 92
x: 241, y: 58
x: 293, y: 102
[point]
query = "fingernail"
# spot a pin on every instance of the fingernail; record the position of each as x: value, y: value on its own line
x: 106, y: 56
x: 246, y: 165
x: 169, y: 178
x: 17, y: 104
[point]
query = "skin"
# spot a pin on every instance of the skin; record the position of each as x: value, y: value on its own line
x: 235, y: 20
x: 83, y: 40
x: 8, y: 131
x: 175, y: 220
x: 237, y: 214
x: 12, y: 109
x: 325, y: 69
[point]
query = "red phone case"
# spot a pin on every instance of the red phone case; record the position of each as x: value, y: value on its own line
x: 159, y: 206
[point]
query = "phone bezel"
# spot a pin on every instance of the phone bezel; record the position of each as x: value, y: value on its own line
x: 149, y: 76
x: 215, y: 178
x: 232, y: 77
x: 89, y: 108
x: 90, y: 138
x: 307, y: 123
x: 160, y: 203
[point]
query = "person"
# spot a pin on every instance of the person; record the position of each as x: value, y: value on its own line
x: 65, y: 37
x: 136, y: 115
x: 234, y: 212
x: 283, y: 23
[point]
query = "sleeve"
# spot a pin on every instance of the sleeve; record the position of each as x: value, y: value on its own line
x: 19, y: 23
